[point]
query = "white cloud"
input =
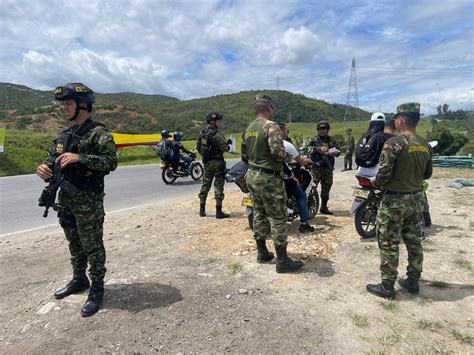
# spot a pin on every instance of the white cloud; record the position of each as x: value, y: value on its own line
x: 200, y: 48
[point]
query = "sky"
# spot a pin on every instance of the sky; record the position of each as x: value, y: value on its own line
x: 404, y: 51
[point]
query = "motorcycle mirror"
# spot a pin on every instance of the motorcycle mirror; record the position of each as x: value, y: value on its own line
x: 433, y: 144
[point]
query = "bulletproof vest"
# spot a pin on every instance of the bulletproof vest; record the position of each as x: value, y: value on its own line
x: 317, y: 157
x: 257, y: 147
x: 209, y: 148
x: 76, y: 173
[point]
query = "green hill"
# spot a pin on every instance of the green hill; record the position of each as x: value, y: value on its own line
x: 25, y: 108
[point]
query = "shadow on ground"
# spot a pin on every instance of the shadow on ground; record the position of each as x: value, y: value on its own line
x: 138, y: 297
x: 439, y: 291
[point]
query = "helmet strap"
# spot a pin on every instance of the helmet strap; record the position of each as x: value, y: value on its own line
x: 78, y: 110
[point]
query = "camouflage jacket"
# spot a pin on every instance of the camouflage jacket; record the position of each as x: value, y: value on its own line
x: 96, y: 149
x: 219, y: 143
x: 313, y: 150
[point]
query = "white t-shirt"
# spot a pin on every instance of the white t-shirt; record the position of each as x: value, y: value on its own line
x: 290, y: 148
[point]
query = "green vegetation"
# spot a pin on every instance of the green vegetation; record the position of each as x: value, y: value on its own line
x: 235, y: 267
x: 390, y: 306
x: 462, y: 337
x: 429, y: 325
x: 359, y: 320
x: 463, y: 264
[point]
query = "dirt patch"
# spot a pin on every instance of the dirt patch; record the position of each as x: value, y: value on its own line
x: 180, y: 283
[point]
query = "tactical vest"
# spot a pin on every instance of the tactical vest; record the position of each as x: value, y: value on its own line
x: 207, y: 140
x: 318, y: 158
x: 257, y: 147
x: 78, y: 174
x: 409, y: 168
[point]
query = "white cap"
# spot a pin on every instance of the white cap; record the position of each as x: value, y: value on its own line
x: 378, y: 116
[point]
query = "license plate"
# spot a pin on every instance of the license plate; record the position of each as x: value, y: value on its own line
x: 361, y: 193
x: 162, y: 164
x: 247, y: 201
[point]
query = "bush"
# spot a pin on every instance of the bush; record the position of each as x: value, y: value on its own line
x: 448, y: 143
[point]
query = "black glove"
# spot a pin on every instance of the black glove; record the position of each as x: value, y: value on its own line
x: 229, y: 141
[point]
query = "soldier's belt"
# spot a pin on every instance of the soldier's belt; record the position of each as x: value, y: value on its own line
x: 388, y: 192
x: 264, y: 170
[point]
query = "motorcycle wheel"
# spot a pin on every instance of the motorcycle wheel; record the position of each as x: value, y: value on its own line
x: 167, y: 175
x: 196, y: 171
x: 313, y: 204
x: 365, y: 217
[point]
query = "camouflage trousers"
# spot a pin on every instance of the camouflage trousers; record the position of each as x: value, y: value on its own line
x: 348, y: 161
x: 269, y: 206
x: 323, y: 175
x: 82, y: 218
x: 399, y: 219
x: 213, y: 169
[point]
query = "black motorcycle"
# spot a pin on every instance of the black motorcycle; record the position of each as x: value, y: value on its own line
x: 171, y: 170
x: 366, y: 204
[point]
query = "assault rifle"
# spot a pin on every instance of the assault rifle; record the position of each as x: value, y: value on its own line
x: 48, y: 196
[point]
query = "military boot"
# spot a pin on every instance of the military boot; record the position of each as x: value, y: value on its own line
x: 263, y: 254
x: 220, y: 214
x: 382, y: 290
x: 410, y: 284
x: 285, y: 263
x: 96, y: 294
x: 324, y: 207
x: 79, y: 283
x: 202, y: 209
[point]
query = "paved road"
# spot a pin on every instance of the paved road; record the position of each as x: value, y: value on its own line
x: 126, y: 188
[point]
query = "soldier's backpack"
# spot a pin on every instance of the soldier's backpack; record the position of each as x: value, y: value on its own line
x: 206, y: 143
x: 164, y: 149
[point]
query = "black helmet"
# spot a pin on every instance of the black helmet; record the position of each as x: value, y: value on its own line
x: 213, y: 116
x: 177, y: 135
x: 323, y: 124
x: 165, y: 133
x: 75, y: 91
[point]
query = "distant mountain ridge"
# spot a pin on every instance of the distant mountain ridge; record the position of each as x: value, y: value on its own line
x: 25, y: 108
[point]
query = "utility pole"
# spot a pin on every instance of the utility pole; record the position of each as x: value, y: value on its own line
x: 352, y: 94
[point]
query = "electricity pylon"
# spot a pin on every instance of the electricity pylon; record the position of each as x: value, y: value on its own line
x: 352, y: 94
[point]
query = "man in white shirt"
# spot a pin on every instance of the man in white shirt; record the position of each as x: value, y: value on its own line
x: 298, y: 192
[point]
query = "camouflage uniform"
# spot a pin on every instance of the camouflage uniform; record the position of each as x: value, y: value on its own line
x: 323, y: 167
x: 214, y: 167
x: 82, y: 216
x: 349, y: 150
x: 262, y: 146
x: 404, y: 162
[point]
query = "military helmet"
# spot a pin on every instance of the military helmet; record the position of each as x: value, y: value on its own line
x: 165, y: 133
x: 75, y: 91
x: 213, y: 116
x: 321, y: 124
x: 177, y: 135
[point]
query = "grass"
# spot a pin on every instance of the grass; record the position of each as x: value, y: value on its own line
x: 390, y: 306
x: 424, y: 324
x: 462, y: 337
x: 463, y: 264
x: 423, y: 301
x: 359, y: 320
x: 235, y: 267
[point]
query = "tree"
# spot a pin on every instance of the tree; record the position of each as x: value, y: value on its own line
x: 445, y: 109
x: 439, y: 109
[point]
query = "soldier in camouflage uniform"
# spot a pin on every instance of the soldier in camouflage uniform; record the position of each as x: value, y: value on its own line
x: 212, y: 144
x: 86, y: 152
x: 349, y: 150
x: 404, y: 163
x: 318, y: 148
x: 262, y: 147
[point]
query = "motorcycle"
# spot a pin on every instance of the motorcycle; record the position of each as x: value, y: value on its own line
x: 237, y: 174
x: 171, y: 170
x: 366, y: 204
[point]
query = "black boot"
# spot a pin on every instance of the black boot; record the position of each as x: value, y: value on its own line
x: 410, y: 284
x: 79, y: 283
x: 305, y: 228
x: 324, y: 207
x: 220, y: 214
x: 202, y: 209
x: 263, y: 255
x: 382, y: 290
x: 284, y: 263
x: 96, y: 294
